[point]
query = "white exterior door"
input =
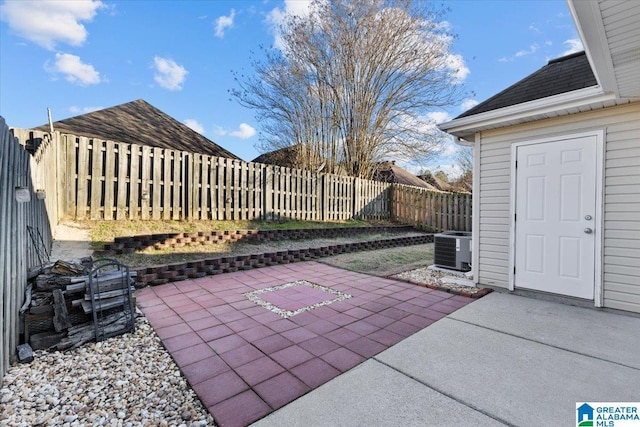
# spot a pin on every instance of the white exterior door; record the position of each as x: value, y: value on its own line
x: 555, y: 222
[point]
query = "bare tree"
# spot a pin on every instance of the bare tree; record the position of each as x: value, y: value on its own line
x: 352, y: 83
x: 464, y: 158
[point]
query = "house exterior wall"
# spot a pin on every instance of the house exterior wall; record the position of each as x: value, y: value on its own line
x: 621, y: 186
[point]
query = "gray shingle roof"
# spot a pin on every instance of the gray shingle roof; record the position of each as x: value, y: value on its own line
x: 389, y: 172
x: 561, y: 75
x: 286, y: 157
x: 139, y: 122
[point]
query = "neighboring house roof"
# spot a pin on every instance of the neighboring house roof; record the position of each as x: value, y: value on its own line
x: 435, y: 182
x: 287, y: 157
x: 139, y: 122
x: 390, y: 172
x: 561, y: 75
x: 284, y: 157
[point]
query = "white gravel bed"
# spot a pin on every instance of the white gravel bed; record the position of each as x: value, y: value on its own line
x: 127, y: 380
x: 440, y: 278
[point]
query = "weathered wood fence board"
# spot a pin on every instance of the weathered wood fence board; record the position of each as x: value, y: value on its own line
x: 430, y: 210
x: 25, y: 228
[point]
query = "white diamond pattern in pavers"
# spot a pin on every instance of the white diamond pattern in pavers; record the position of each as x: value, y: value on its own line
x: 296, y: 297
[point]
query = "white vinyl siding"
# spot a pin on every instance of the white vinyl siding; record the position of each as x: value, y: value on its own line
x: 621, y: 252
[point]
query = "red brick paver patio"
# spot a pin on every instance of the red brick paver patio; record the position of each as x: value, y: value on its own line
x: 250, y: 342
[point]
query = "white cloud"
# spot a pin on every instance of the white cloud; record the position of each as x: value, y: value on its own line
x: 276, y: 16
x: 467, y: 104
x: 291, y: 7
x: 524, y: 52
x: 533, y: 27
x: 220, y: 131
x: 193, y: 124
x: 74, y: 70
x: 48, y: 22
x: 456, y: 64
x: 519, y: 54
x: 169, y: 75
x: 224, y: 22
x: 573, y: 46
x: 84, y: 110
x: 437, y: 117
x: 244, y: 131
x: 452, y: 171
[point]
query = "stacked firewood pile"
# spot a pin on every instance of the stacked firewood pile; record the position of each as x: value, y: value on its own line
x: 58, y: 311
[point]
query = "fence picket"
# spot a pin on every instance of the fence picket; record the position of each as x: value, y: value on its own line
x: 145, y: 183
x: 96, y: 181
x: 122, y: 182
x: 155, y: 193
x: 134, y: 182
x: 196, y: 186
x: 245, y: 195
x: 166, y: 184
x: 109, y: 180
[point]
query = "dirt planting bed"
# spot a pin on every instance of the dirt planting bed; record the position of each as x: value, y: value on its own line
x: 160, y: 274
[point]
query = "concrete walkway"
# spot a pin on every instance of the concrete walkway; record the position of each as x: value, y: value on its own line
x: 503, y: 360
x: 70, y: 242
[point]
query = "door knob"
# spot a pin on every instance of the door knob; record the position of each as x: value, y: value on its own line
x: 587, y: 217
x: 588, y: 230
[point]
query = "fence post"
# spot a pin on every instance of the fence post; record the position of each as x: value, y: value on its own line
x: 267, y: 182
x: 470, y: 212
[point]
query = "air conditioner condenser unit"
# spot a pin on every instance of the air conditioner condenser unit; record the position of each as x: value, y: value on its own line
x: 453, y: 250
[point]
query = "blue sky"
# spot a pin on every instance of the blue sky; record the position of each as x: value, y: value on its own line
x: 79, y: 56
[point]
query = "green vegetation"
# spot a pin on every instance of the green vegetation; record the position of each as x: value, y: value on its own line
x: 384, y: 262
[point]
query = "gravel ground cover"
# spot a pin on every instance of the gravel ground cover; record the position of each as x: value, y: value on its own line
x: 127, y: 380
x: 428, y: 276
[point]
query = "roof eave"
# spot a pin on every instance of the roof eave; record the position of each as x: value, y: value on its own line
x: 590, y: 25
x: 465, y: 127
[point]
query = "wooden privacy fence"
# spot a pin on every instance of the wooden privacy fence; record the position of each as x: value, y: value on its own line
x: 430, y: 210
x: 106, y: 180
x: 25, y: 228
